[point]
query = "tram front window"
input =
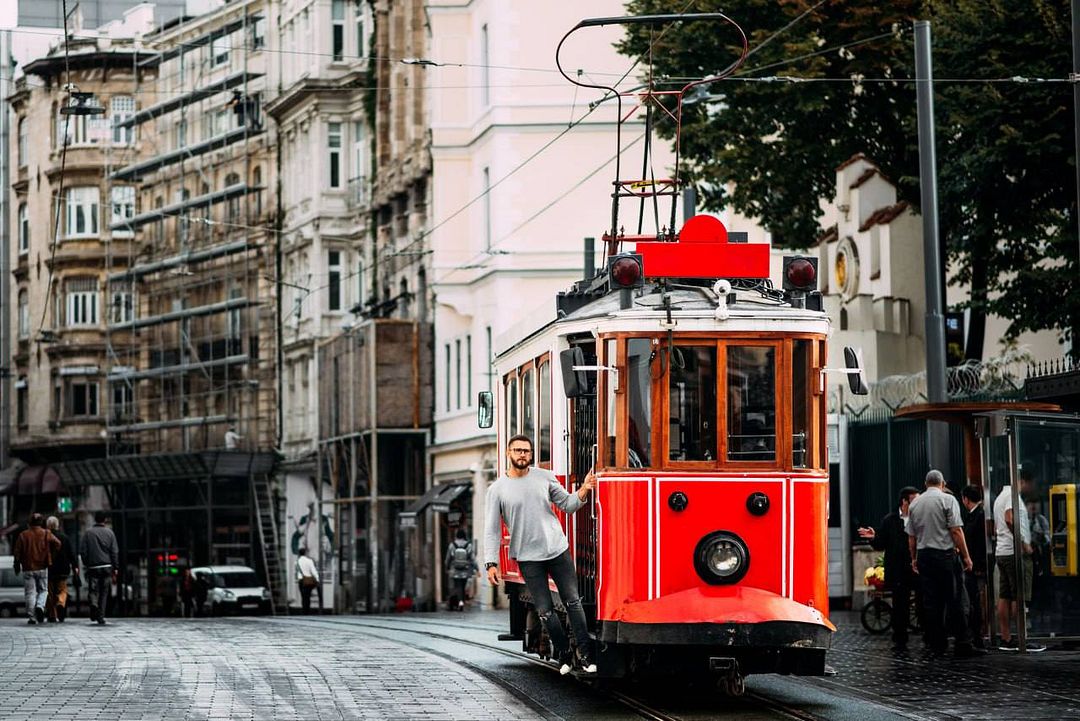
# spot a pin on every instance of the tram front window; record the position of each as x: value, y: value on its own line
x: 751, y: 397
x: 800, y: 403
x: 639, y: 400
x: 692, y: 403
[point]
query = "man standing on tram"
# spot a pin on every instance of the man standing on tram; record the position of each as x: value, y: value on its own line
x: 522, y: 498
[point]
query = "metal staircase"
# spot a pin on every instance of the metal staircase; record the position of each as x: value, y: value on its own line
x: 269, y: 541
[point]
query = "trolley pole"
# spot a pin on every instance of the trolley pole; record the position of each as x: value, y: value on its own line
x: 938, y: 432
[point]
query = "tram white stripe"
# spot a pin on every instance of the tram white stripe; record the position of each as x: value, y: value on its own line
x: 652, y: 541
x: 659, y: 545
x: 791, y: 552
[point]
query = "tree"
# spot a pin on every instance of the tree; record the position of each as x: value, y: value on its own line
x: 770, y: 149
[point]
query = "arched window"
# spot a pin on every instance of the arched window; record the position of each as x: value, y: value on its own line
x: 843, y: 319
x: 24, y: 142
x: 404, y: 298
x: 24, y: 230
x: 232, y: 208
x: 421, y: 295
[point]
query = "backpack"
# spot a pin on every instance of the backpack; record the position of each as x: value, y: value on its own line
x: 461, y: 558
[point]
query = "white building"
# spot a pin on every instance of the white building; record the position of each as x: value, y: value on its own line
x: 508, y: 228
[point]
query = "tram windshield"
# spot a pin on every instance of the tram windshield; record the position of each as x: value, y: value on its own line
x: 712, y: 402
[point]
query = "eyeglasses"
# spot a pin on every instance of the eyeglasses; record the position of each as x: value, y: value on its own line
x: 522, y: 451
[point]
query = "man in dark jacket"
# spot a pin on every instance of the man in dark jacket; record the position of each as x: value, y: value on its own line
x: 461, y: 566
x: 975, y: 579
x: 64, y: 563
x: 101, y: 559
x: 33, y: 555
x: 891, y: 537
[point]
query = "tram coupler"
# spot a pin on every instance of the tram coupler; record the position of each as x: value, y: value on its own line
x: 730, y: 681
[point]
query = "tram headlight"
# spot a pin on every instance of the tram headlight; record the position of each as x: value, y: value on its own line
x: 721, y: 557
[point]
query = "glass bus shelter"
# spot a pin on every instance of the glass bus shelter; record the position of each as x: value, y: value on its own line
x: 1034, y: 460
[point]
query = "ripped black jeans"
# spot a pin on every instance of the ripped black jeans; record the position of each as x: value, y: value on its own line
x: 562, y: 571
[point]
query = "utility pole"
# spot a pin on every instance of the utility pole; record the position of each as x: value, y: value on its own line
x: 1076, y: 136
x: 937, y: 432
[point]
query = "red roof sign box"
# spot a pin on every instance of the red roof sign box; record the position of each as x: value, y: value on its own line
x: 703, y: 251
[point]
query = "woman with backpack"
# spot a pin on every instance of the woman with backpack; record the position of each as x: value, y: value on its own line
x: 461, y: 565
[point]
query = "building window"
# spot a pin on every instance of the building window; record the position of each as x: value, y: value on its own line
x: 219, y: 50
x: 24, y: 142
x: 457, y: 374
x: 121, y: 108
x: 181, y: 133
x: 80, y: 129
x: 235, y: 318
x: 333, y: 281
x: 256, y: 181
x: 82, y: 399
x: 123, y: 403
x: 232, y: 206
x: 82, y: 212
x: 82, y: 301
x: 487, y: 208
x: 337, y: 28
x: 22, y: 399
x: 258, y: 33
x: 334, y: 144
x: 468, y: 370
x: 123, y: 210
x: 24, y: 230
x: 122, y: 307
x: 448, y: 377
x: 361, y: 32
x: 490, y: 357
x: 485, y: 76
x: 24, y: 315
x: 357, y: 168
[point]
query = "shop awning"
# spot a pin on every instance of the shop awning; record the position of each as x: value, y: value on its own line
x: 34, y: 480
x: 438, y: 497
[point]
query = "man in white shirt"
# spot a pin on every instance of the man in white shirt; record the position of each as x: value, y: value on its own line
x: 1011, y: 586
x: 307, y: 575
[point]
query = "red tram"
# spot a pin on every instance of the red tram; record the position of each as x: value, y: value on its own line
x: 697, y: 392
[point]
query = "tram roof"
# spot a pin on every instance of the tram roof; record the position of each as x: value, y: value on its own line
x: 693, y: 306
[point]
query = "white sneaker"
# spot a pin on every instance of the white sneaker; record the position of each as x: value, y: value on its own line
x: 591, y: 668
x: 564, y: 669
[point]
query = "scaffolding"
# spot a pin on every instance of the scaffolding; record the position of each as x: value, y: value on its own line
x: 190, y: 329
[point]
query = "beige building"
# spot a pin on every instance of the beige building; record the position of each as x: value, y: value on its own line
x: 510, y: 227
x: 64, y: 245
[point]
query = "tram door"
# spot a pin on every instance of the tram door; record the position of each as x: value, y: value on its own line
x: 582, y: 456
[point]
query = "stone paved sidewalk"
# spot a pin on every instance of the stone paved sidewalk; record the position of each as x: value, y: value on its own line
x: 232, y: 669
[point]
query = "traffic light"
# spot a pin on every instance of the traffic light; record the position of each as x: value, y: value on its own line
x: 168, y: 564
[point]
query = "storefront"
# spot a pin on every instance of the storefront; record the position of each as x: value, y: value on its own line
x: 1034, y: 459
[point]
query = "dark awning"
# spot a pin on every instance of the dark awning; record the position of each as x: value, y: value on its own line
x: 164, y: 467
x: 438, y: 497
x: 37, y: 479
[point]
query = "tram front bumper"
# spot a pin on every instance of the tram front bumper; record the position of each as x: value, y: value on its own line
x: 719, y: 616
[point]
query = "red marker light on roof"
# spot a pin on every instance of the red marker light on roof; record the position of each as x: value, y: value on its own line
x: 800, y: 273
x: 173, y: 557
x: 625, y: 271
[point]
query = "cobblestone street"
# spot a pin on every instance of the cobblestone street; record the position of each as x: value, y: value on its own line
x: 233, y: 669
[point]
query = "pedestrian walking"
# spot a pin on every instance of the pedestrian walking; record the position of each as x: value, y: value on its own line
x: 1013, y: 587
x: 935, y: 536
x: 187, y: 593
x: 891, y: 537
x: 33, y: 556
x: 461, y: 565
x: 522, y: 498
x: 307, y: 576
x: 975, y: 579
x: 101, y: 559
x: 64, y: 564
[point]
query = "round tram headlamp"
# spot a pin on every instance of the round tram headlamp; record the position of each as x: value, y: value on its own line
x: 625, y: 271
x: 800, y: 273
x: 721, y: 557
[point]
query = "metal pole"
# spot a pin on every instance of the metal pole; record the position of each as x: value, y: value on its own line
x: 374, y: 605
x: 1018, y: 539
x: 1076, y: 122
x: 937, y: 432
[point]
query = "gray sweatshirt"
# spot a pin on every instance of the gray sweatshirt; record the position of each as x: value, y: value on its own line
x: 525, y: 504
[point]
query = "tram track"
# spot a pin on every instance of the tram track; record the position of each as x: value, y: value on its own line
x: 639, y: 706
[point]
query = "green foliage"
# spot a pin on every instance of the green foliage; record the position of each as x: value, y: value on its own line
x: 1006, y: 173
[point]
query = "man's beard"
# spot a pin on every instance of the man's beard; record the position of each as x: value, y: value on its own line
x: 520, y: 463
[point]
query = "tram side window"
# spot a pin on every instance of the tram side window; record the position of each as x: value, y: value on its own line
x: 751, y: 399
x: 544, y: 414
x: 610, y: 359
x: 512, y: 426
x: 692, y: 403
x: 639, y: 400
x: 800, y: 403
x: 528, y: 405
